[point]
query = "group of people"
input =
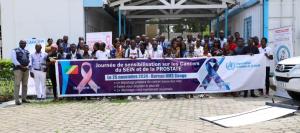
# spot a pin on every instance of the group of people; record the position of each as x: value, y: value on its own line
x: 40, y: 63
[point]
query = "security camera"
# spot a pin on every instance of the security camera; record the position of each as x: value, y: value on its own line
x: 230, y: 1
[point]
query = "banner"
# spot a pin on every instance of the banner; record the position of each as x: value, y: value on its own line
x: 30, y: 46
x: 281, y: 41
x: 160, y: 76
x: 92, y: 38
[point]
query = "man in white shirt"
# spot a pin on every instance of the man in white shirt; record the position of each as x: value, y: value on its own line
x: 198, y: 49
x: 38, y: 72
x: 133, y: 52
x: 102, y: 54
x: 156, y: 54
x: 267, y: 51
x: 189, y: 42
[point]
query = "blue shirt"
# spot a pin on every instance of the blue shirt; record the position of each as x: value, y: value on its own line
x: 38, y: 61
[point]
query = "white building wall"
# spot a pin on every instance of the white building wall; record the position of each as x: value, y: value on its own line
x: 24, y: 19
x: 284, y: 13
x: 236, y: 23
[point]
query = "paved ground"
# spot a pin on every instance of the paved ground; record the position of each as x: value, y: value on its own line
x: 172, y: 116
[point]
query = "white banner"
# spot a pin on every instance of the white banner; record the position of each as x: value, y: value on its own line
x: 242, y: 72
x: 281, y: 41
x: 92, y: 38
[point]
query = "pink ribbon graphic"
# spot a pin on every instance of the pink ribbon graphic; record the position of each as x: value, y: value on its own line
x: 87, y: 78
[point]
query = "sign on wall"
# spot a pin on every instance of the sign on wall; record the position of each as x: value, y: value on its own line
x: 92, y: 3
x: 92, y: 38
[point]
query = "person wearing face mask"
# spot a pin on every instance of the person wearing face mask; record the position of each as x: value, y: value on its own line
x: 21, y: 64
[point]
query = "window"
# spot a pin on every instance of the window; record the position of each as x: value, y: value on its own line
x: 247, y: 27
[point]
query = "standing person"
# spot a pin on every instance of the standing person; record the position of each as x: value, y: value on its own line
x: 120, y: 52
x: 267, y: 51
x: 133, y: 52
x: 206, y: 50
x: 48, y: 46
x: 95, y: 49
x: 142, y: 47
x: 222, y: 38
x: 237, y: 36
x: 190, y: 54
x: 227, y: 51
x: 216, y: 49
x: 240, y: 46
x: 189, y: 42
x: 163, y: 43
x: 80, y: 45
x: 256, y: 42
x: 65, y: 44
x: 60, y: 53
x: 21, y: 63
x: 73, y: 54
x: 198, y: 48
x: 212, y: 39
x: 51, y: 59
x: 231, y: 44
x: 175, y: 49
x: 200, y: 37
x: 102, y: 54
x: 38, y: 71
x: 126, y: 44
x: 154, y: 53
x: 250, y: 50
x: 59, y: 42
x: 86, y: 53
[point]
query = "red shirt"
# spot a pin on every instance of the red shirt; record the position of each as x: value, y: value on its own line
x: 232, y: 46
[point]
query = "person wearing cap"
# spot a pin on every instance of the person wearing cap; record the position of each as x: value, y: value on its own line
x: 38, y: 71
x: 50, y: 60
x: 21, y: 64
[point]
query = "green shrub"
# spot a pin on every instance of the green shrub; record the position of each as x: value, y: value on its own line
x: 6, y: 80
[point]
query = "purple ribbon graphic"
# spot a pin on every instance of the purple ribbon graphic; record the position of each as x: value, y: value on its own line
x: 212, y: 66
x: 87, y: 78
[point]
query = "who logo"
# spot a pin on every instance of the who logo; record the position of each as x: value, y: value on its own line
x: 230, y: 65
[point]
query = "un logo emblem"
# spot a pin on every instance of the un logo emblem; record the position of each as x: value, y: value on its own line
x: 230, y: 66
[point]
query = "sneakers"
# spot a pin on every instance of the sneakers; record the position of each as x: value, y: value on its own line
x: 129, y: 98
x: 25, y: 101
x: 149, y: 97
x: 137, y: 97
x: 18, y: 102
x: 160, y: 96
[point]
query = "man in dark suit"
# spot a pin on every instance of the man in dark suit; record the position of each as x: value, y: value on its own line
x: 73, y: 54
x: 250, y: 50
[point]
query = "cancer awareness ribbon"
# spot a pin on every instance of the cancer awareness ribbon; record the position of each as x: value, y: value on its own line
x: 87, y: 78
x: 212, y: 66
